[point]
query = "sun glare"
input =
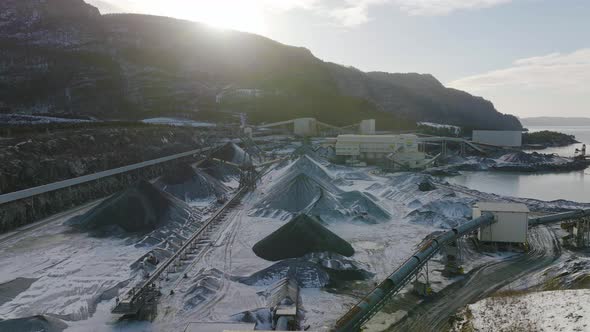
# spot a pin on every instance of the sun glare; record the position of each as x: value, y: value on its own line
x: 226, y: 14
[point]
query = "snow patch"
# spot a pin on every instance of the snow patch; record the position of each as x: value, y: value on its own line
x: 565, y: 310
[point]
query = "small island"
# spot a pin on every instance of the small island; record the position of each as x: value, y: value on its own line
x: 544, y: 139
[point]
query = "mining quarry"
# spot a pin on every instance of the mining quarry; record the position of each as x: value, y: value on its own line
x: 294, y: 226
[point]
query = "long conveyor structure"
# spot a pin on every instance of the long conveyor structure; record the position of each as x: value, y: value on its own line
x: 136, y: 297
x: 373, y: 302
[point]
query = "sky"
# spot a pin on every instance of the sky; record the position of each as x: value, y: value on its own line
x: 529, y: 57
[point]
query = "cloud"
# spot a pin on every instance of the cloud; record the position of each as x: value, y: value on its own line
x: 286, y: 5
x: 556, y: 70
x: 150, y: 5
x: 556, y: 84
x: 344, y: 13
x: 444, y: 7
x: 354, y: 13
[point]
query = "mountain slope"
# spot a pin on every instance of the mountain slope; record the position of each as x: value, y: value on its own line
x: 62, y: 56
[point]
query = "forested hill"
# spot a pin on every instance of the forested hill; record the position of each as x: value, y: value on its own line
x: 64, y: 57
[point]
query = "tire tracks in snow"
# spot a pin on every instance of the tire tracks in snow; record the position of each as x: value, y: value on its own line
x: 432, y: 314
x: 205, y: 260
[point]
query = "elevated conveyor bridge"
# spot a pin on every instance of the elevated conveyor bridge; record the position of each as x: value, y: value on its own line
x: 372, y: 303
x: 137, y: 297
x: 147, y: 291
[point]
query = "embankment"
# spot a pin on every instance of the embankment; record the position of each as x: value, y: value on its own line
x: 51, y: 157
x: 26, y: 211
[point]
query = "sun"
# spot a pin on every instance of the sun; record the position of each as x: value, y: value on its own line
x: 242, y: 15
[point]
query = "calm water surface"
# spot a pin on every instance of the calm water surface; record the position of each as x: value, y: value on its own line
x: 574, y: 186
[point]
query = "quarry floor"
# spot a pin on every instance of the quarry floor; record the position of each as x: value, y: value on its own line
x: 52, y: 269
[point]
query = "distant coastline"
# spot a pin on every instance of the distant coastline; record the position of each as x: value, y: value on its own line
x: 548, y: 121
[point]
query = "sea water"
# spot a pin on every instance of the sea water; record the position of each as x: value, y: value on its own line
x: 574, y: 186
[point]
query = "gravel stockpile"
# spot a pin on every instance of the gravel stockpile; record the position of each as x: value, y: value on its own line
x: 190, y: 184
x: 301, y: 236
x: 42, y: 323
x: 141, y: 208
x: 233, y: 153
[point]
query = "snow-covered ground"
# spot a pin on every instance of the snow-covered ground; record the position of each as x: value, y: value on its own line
x: 76, y: 276
x: 18, y: 119
x: 565, y: 310
x: 218, y: 299
x: 72, y: 272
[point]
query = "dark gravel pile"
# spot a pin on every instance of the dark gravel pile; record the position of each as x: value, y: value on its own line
x: 300, y: 236
x: 141, y: 208
x: 34, y: 323
x: 190, y: 184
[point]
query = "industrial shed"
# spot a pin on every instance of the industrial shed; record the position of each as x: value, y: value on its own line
x: 512, y: 222
x: 402, y: 150
x: 512, y: 138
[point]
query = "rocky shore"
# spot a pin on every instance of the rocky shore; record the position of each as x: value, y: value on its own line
x: 517, y: 161
x: 546, y: 139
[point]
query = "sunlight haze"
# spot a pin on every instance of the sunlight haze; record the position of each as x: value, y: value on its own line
x: 294, y: 165
x: 529, y: 57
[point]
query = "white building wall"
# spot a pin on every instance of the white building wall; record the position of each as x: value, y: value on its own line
x: 367, y: 127
x: 498, y: 137
x: 510, y: 227
x: 376, y: 147
x: 305, y: 127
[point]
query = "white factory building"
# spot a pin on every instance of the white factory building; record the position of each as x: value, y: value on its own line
x: 512, y: 222
x: 511, y: 138
x: 367, y: 127
x: 305, y: 127
x: 311, y: 127
x: 400, y: 151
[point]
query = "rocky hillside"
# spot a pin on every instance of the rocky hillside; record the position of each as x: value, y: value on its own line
x: 64, y: 57
x: 36, y: 159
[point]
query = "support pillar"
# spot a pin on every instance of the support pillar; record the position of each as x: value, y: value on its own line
x: 578, y: 233
x: 453, y: 258
x: 422, y: 282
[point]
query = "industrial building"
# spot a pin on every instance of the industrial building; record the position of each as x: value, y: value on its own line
x: 305, y: 127
x: 401, y: 151
x: 512, y: 222
x: 311, y: 127
x: 367, y: 127
x: 510, y: 138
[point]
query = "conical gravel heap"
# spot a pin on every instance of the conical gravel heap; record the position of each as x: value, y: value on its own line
x: 190, y: 184
x: 233, y: 153
x: 300, y: 236
x: 141, y: 208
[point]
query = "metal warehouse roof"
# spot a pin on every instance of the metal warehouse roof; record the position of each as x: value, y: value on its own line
x: 502, y: 207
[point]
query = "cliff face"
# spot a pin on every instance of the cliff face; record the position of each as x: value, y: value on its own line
x: 53, y: 23
x: 63, y: 57
x: 421, y: 98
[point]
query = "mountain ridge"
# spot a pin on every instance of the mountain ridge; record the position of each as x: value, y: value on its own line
x: 131, y: 66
